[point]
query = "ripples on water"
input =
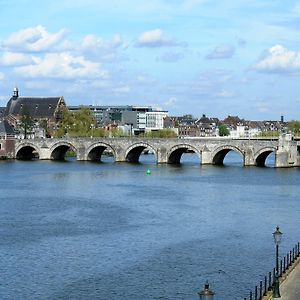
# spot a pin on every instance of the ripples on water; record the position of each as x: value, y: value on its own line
x: 79, y: 230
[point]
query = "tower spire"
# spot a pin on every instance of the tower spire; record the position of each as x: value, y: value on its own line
x: 16, y: 92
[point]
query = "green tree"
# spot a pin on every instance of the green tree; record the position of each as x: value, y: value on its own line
x: 26, y: 122
x: 223, y: 130
x: 269, y: 133
x: 163, y: 133
x: 44, y: 124
x: 294, y: 127
x: 80, y: 123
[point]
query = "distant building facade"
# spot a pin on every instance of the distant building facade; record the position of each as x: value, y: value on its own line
x: 132, y: 119
x: 7, y: 140
x: 45, y: 112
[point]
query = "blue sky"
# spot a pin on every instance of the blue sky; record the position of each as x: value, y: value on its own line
x: 210, y: 57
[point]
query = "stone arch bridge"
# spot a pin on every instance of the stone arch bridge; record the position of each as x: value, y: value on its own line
x: 210, y: 150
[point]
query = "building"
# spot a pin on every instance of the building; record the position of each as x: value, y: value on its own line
x: 188, y: 131
x: 104, y: 115
x: 207, y: 126
x: 155, y: 120
x: 7, y: 137
x: 44, y: 112
x: 240, y: 128
x: 132, y: 119
x: 2, y: 112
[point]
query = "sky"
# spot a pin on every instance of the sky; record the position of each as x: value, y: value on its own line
x: 219, y: 58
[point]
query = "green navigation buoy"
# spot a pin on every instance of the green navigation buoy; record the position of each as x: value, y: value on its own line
x: 148, y: 172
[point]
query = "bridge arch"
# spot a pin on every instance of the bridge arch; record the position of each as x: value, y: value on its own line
x: 175, y: 153
x: 260, y: 156
x: 27, y: 151
x: 95, y: 151
x: 134, y: 151
x: 219, y: 154
x: 58, y: 150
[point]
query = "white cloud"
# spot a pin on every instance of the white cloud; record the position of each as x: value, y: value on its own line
x: 296, y: 9
x: 170, y: 57
x: 221, y: 52
x: 225, y: 94
x: 279, y: 59
x: 63, y: 65
x: 122, y: 89
x: 33, y: 39
x: 91, y: 41
x: 262, y: 107
x: 96, y: 47
x: 171, y: 102
x: 241, y: 42
x: 155, y: 38
x: 14, y: 59
x: 192, y: 3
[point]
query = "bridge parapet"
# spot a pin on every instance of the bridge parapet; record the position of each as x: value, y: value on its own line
x: 210, y: 150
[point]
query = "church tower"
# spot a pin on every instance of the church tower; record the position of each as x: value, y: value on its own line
x: 16, y: 93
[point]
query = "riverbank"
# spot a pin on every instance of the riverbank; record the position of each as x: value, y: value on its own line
x: 289, y: 284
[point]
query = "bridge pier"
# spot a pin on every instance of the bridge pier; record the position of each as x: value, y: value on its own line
x: 44, y: 154
x: 161, y: 155
x: 120, y: 155
x: 80, y: 153
x: 206, y: 157
x: 286, y: 155
x: 249, y: 157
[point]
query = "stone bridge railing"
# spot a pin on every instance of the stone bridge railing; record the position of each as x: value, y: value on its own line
x: 210, y: 150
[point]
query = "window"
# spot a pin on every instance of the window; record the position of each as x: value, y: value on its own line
x: 0, y: 146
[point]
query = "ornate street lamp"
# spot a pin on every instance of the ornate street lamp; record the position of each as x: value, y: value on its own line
x: 277, y: 239
x: 206, y: 294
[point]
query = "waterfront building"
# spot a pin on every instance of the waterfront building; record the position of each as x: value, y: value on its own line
x: 240, y: 128
x: 155, y: 120
x: 44, y: 112
x: 7, y: 137
x: 132, y: 119
x: 104, y: 114
x: 2, y: 112
x: 207, y: 126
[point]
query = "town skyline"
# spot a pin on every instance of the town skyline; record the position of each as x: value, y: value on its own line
x: 186, y: 57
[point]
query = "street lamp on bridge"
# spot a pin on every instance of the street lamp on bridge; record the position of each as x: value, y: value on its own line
x: 277, y: 239
x: 206, y: 294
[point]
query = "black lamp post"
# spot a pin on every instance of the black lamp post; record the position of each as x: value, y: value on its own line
x: 206, y: 294
x: 277, y: 239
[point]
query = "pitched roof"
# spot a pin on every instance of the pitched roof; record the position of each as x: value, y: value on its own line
x: 36, y: 107
x: 2, y: 111
x: 6, y: 128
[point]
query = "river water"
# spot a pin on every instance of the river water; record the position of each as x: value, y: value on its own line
x: 82, y: 230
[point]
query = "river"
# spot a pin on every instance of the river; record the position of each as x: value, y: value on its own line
x: 83, y: 230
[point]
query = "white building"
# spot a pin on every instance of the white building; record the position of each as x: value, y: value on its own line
x: 243, y: 131
x: 155, y: 120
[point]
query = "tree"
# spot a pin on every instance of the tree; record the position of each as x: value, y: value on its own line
x: 77, y: 124
x: 269, y: 133
x: 223, y: 130
x: 294, y: 127
x: 163, y: 133
x: 44, y: 124
x: 26, y: 122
